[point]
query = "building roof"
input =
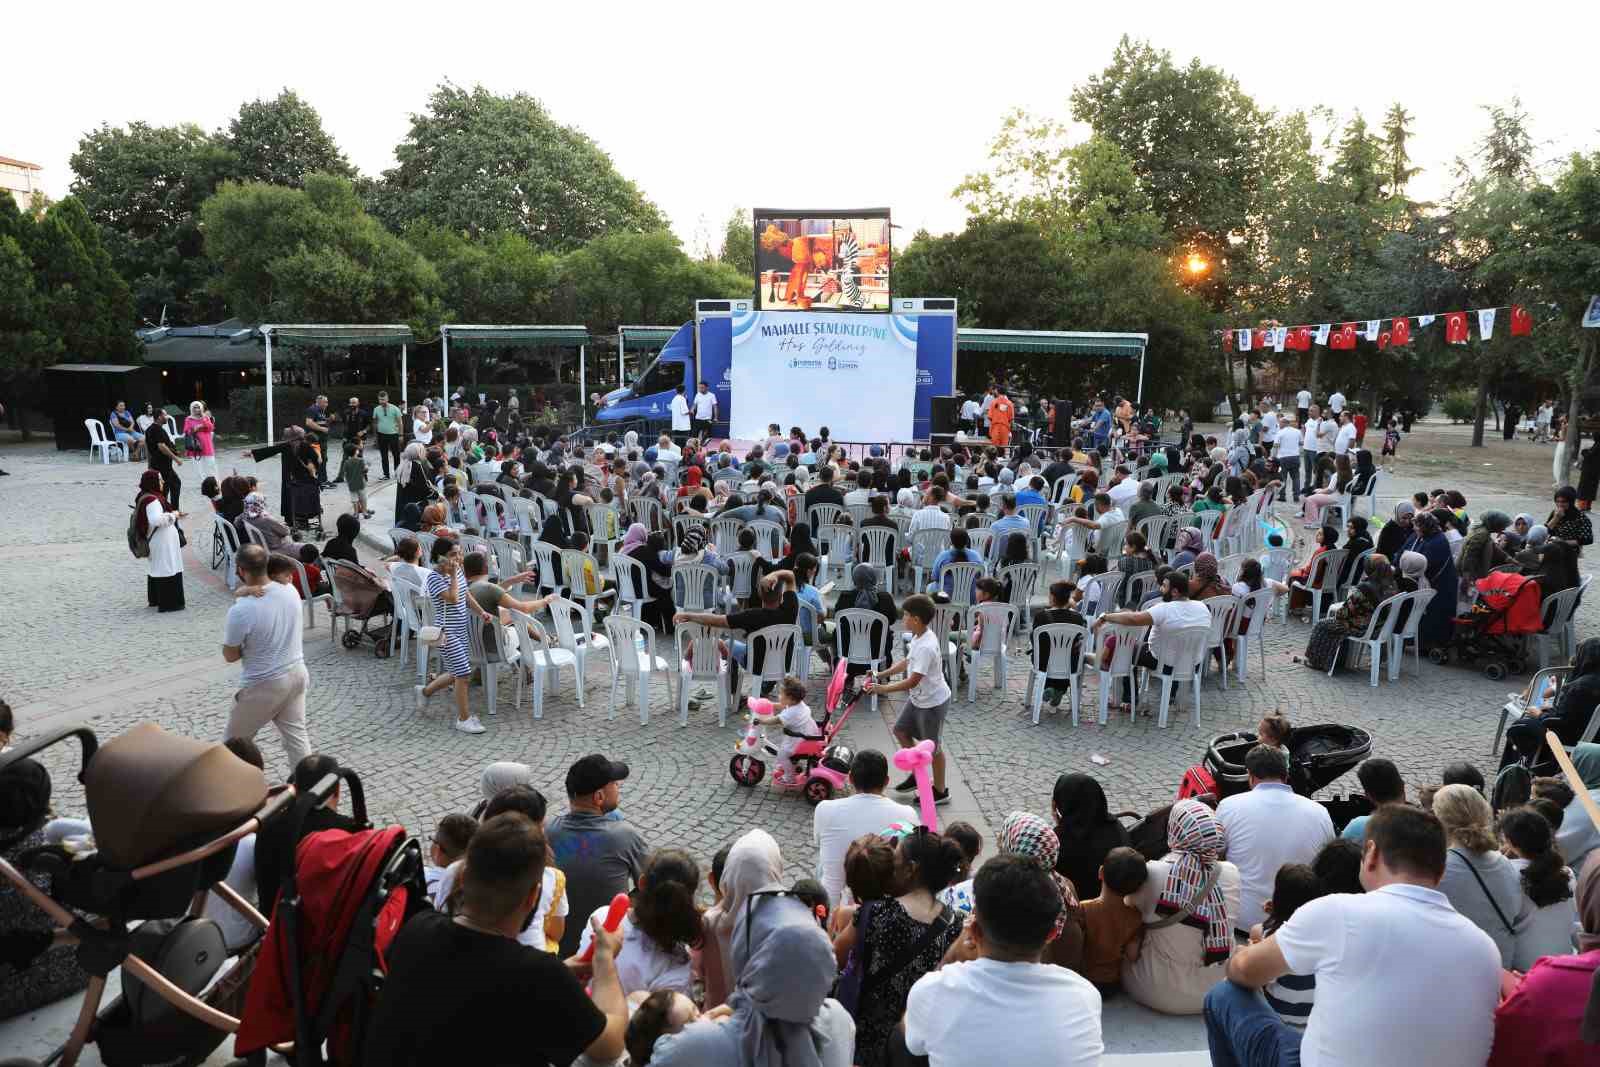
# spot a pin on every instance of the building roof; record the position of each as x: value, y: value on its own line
x: 1061, y: 342
x: 8, y: 161
x: 514, y: 336
x: 648, y: 335
x: 338, y: 334
x: 110, y: 368
x: 231, y: 343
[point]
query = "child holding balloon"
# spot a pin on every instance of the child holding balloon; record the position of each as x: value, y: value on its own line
x: 928, y: 700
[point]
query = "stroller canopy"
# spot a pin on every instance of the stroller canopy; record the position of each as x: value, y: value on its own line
x: 1515, y: 599
x: 151, y: 794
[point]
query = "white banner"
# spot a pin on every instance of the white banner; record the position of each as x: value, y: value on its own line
x: 852, y: 373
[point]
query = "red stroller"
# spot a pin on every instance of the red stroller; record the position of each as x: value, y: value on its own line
x: 1494, y: 634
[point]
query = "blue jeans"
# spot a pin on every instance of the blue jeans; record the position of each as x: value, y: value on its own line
x: 1243, y: 1031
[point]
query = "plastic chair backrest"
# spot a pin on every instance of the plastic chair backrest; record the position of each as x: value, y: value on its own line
x: 97, y: 432
x: 605, y: 522
x: 495, y: 517
x: 1110, y: 589
x: 548, y: 561
x: 927, y: 544
x: 1035, y: 514
x: 562, y: 610
x: 1380, y: 627
x: 1109, y: 542
x: 623, y: 634
x: 682, y: 524
x: 1158, y: 531
x: 221, y: 527
x: 769, y: 538
x: 725, y: 536
x: 837, y: 539
x: 256, y: 536
x: 473, y: 543
x: 1137, y: 586
x: 981, y: 540
x: 1276, y: 564
x: 1323, y: 568
x: 425, y: 542
x: 1024, y: 579
x: 531, y: 650
x: 858, y: 513
x: 1254, y: 609
x: 1186, y: 648
x: 633, y: 578
x: 576, y: 565
x: 854, y: 635
x: 1124, y: 646
x: 1557, y: 609
x: 645, y: 509
x: 741, y: 572
x: 882, y: 544
x: 1223, y: 610
x: 508, y: 557
x: 998, y: 620
x: 779, y: 646
x: 1407, y: 630
x: 985, y: 519
x: 1228, y: 567
x: 820, y: 515
x: 1062, y: 490
x: 694, y: 586
x: 697, y: 646
x: 962, y: 578
x: 1058, y: 649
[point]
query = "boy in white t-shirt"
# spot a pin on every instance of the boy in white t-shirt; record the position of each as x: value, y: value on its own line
x: 929, y: 693
x: 794, y: 715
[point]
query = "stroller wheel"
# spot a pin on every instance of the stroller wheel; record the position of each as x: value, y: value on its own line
x: 1494, y: 670
x: 1440, y: 656
x: 747, y: 770
x: 818, y: 790
x: 351, y: 639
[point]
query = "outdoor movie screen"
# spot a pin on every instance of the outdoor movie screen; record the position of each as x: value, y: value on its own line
x: 823, y: 260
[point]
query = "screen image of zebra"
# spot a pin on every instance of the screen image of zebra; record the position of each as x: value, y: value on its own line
x: 827, y: 260
x: 855, y: 374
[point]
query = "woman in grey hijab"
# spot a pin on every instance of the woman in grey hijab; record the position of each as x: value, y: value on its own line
x: 1396, y: 532
x: 782, y: 1014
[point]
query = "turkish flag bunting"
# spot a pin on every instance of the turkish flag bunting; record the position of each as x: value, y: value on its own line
x: 1344, y: 337
x: 1299, y: 339
x: 1227, y: 340
x: 1400, y: 332
x: 1383, y: 340
x: 1456, y: 331
x: 1521, y: 321
x: 1262, y: 339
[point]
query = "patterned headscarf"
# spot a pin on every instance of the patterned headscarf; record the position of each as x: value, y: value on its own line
x: 1189, y: 539
x: 1205, y: 567
x: 1196, y: 839
x: 1025, y: 834
x: 255, y: 505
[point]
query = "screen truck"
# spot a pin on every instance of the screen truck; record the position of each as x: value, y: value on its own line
x: 867, y: 377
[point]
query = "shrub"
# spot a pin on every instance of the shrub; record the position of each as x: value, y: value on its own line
x: 1461, y: 405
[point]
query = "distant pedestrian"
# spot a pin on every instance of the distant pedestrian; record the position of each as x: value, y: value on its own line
x: 263, y: 632
x: 157, y: 521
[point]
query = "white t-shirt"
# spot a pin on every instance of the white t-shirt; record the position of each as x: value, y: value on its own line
x: 1268, y: 827
x: 640, y: 962
x: 267, y: 629
x: 1173, y: 615
x: 1336, y: 402
x: 1345, y: 440
x: 1327, y: 433
x: 1401, y: 978
x: 531, y: 935
x: 1302, y: 399
x: 668, y: 454
x: 970, y: 409
x: 422, y: 430
x: 924, y: 658
x: 1269, y: 422
x: 237, y: 931
x: 1124, y: 493
x: 985, y: 1011
x: 704, y: 405
x: 410, y: 572
x: 798, y: 718
x: 929, y: 518
x: 679, y: 406
x: 1287, y: 444
x: 836, y: 823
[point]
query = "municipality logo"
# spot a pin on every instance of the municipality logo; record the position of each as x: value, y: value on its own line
x: 833, y: 364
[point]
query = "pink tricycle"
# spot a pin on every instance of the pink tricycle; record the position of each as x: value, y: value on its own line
x: 822, y: 767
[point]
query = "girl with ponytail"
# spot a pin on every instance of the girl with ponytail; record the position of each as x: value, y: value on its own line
x: 1547, y: 884
x: 661, y: 926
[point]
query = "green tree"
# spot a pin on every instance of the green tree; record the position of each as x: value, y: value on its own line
x: 639, y: 277
x: 98, y: 308
x: 483, y: 164
x: 739, y: 243
x: 280, y: 141
x: 1396, y: 149
x: 1506, y: 148
x: 143, y: 186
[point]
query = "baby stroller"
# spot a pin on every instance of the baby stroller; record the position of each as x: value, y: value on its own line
x: 343, y: 900
x: 166, y: 813
x: 305, y: 508
x: 361, y: 596
x: 1494, y: 634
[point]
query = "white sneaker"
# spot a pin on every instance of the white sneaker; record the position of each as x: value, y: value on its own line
x: 422, y: 698
x: 470, y: 726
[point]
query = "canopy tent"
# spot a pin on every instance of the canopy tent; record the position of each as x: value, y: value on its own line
x: 325, y: 335
x: 515, y: 336
x: 644, y: 335
x: 1058, y: 342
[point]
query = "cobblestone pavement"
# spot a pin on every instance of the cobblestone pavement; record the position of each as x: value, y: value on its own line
x: 79, y: 641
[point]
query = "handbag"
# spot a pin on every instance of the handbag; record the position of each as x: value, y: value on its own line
x: 1483, y: 886
x: 855, y: 983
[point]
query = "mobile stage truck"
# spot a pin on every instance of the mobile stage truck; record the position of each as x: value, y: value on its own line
x: 866, y: 377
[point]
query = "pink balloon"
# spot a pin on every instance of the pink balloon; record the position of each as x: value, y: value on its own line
x: 761, y: 706
x: 918, y: 759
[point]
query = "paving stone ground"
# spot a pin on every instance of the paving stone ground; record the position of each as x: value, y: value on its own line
x: 78, y: 641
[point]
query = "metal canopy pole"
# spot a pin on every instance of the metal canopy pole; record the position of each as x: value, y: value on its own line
x: 1138, y: 399
x: 404, y: 400
x: 622, y: 344
x: 583, y: 403
x: 268, y: 335
x: 444, y: 359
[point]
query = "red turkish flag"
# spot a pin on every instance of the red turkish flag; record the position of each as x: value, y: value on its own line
x: 1383, y: 340
x: 1400, y: 332
x: 1344, y: 337
x: 1521, y: 321
x: 1227, y: 340
x: 1456, y: 331
x: 1299, y: 339
x: 1261, y: 340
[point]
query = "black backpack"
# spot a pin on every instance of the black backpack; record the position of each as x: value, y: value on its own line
x: 138, y: 543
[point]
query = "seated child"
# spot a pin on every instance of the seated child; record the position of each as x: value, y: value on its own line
x: 1088, y: 591
x: 450, y: 842
x: 314, y: 576
x: 1111, y: 926
x: 816, y: 897
x: 1059, y: 611
x: 661, y: 1012
x: 1291, y: 995
x: 798, y: 724
x: 983, y: 591
x: 958, y: 894
x: 1273, y: 731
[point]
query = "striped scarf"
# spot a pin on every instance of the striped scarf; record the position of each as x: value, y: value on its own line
x: 1196, y: 839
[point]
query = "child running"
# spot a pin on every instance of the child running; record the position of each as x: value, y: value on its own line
x: 794, y: 715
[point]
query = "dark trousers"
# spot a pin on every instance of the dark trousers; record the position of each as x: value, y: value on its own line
x: 389, y: 447
x: 322, y: 459
x: 1303, y: 414
x: 169, y: 478
x: 1308, y: 471
x: 1291, y: 472
x: 1242, y: 1030
x: 701, y: 429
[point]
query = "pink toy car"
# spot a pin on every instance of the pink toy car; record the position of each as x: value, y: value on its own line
x: 822, y: 767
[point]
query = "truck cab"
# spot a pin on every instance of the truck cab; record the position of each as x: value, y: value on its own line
x: 647, y: 398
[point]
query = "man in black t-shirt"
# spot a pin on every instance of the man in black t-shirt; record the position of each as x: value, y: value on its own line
x: 823, y: 492
x: 780, y: 605
x: 463, y: 990
x: 356, y: 422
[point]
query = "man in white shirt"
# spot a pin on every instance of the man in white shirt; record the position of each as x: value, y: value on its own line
x: 667, y: 451
x: 1336, y: 403
x: 983, y: 409
x: 1106, y: 514
x: 1172, y: 613
x: 263, y: 632
x: 862, y: 493
x: 1286, y: 450
x: 836, y: 823
x: 704, y: 409
x: 1125, y: 490
x: 929, y: 694
x: 1269, y: 421
x: 970, y: 414
x: 1268, y: 827
x: 1402, y: 977
x: 1302, y: 403
x: 995, y: 1002
x: 930, y: 516
x: 679, y: 406
x: 1345, y: 440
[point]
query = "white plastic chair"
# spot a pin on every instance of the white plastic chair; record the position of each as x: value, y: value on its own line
x: 1110, y: 584
x: 1058, y: 652
x: 1377, y: 636
x: 498, y: 521
x: 882, y: 545
x: 253, y: 535
x: 633, y: 585
x: 633, y: 660
x: 781, y: 647
x: 1228, y: 567
x: 1062, y: 490
x: 1224, y: 620
x: 820, y: 515
x: 1137, y: 586
x: 694, y: 586
x: 1124, y: 655
x: 1024, y: 580
x: 577, y: 640
x: 541, y: 657
x: 1254, y: 613
x: 836, y: 542
x: 1158, y: 531
x: 426, y: 633
x: 225, y: 548
x: 926, y: 546
x: 575, y: 564
x: 646, y: 509
x: 853, y: 642
x: 769, y: 538
x: 547, y: 559
x: 1515, y: 705
x: 725, y: 536
x: 1186, y: 656
x: 1322, y: 580
x: 981, y: 541
x: 492, y: 658
x: 699, y: 660
x: 508, y: 558
x: 998, y: 620
x: 110, y: 449
x: 682, y: 524
x: 1407, y: 631
x: 741, y: 576
x: 1555, y: 614
x: 963, y: 582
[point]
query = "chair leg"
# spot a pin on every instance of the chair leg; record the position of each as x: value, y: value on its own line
x: 1075, y: 699
x: 1374, y: 651
x: 1105, y: 696
x: 644, y: 699
x: 683, y: 698
x: 1166, y: 697
x: 1033, y: 699
x: 1195, y: 715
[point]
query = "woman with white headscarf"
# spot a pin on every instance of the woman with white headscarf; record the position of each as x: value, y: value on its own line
x: 754, y: 863
x: 411, y: 481
x: 274, y: 532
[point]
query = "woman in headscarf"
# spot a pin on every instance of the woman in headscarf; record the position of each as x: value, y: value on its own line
x: 1086, y: 831
x: 754, y: 863
x: 1413, y: 575
x: 1558, y: 568
x: 1207, y: 581
x: 1566, y: 712
x: 1429, y: 540
x: 1567, y: 523
x: 1025, y: 834
x: 691, y: 481
x: 1350, y: 618
x: 299, y: 461
x: 1534, y: 542
x: 1188, y: 546
x: 274, y: 532
x: 1187, y: 904
x: 411, y: 480
x: 1396, y: 532
x: 157, y: 521
x: 866, y: 596
x: 1555, y: 1011
x: 1481, y: 552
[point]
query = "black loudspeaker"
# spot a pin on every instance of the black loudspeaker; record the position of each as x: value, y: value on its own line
x: 943, y: 413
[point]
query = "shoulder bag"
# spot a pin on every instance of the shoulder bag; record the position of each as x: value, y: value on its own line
x: 855, y: 984
x: 1192, y: 906
x: 1476, y: 877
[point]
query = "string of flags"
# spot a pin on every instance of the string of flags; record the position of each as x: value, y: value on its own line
x: 1344, y: 336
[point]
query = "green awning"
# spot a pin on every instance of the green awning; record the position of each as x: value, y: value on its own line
x: 1053, y: 342
x: 516, y: 336
x: 648, y: 335
x: 341, y: 336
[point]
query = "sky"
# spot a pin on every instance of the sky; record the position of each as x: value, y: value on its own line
x: 710, y: 106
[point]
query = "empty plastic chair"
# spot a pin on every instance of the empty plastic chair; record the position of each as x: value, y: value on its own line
x: 633, y: 661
